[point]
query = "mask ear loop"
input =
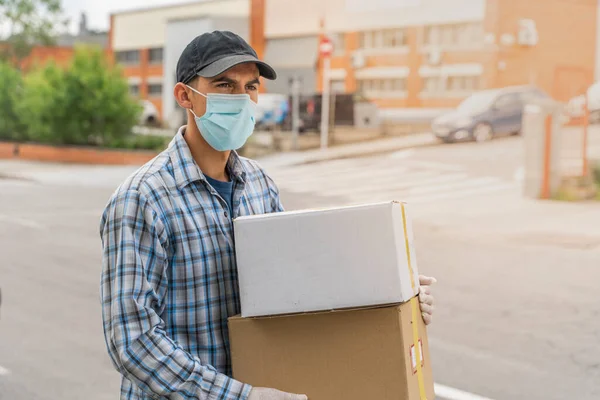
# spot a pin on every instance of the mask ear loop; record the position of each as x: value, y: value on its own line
x: 201, y: 94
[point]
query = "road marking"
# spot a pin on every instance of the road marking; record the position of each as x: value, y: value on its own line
x: 435, y: 165
x: 392, y: 183
x: 422, y: 199
x: 519, y: 174
x: 453, y: 185
x: 4, y: 371
x: 402, y: 154
x: 27, y: 223
x: 449, y: 393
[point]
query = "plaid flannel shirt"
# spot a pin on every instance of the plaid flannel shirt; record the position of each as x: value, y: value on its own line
x: 169, y: 275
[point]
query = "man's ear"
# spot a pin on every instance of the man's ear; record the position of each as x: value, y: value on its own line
x: 181, y: 96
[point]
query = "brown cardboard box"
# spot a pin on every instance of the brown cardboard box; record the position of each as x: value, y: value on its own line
x: 356, y: 354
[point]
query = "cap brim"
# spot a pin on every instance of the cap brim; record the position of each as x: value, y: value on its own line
x: 222, y: 65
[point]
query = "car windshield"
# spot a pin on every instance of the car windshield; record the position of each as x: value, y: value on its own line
x: 477, y: 102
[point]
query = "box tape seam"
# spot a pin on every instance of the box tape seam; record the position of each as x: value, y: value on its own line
x: 415, y: 310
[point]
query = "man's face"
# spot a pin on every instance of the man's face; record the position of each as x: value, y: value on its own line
x: 243, y: 78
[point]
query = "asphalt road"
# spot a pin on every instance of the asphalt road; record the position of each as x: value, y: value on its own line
x: 513, y: 320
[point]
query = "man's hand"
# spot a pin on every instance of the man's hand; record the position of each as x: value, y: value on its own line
x: 425, y: 297
x: 272, y: 394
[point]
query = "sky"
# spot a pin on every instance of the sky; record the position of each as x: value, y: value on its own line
x: 98, y: 11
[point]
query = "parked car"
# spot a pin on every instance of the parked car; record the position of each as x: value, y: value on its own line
x: 576, y: 106
x: 149, y: 114
x: 271, y: 110
x: 342, y: 108
x: 486, y: 114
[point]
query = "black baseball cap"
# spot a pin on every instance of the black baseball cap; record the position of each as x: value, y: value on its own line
x: 213, y: 53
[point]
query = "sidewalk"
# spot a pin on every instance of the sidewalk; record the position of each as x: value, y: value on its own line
x: 362, y: 149
x: 513, y: 219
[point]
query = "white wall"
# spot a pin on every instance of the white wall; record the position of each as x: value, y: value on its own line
x: 355, y: 15
x: 147, y: 28
x: 178, y: 35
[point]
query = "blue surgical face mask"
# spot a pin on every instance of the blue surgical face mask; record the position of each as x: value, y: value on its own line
x: 228, y: 121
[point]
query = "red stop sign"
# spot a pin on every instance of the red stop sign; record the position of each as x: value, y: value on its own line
x: 325, y: 47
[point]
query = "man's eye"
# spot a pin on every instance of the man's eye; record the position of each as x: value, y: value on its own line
x: 251, y: 87
x: 224, y: 85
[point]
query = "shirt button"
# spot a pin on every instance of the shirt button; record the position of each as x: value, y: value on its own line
x: 226, y: 215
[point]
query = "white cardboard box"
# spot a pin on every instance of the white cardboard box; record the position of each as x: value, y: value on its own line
x: 304, y: 261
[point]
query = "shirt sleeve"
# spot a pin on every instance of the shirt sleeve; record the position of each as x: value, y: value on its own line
x: 276, y: 205
x: 134, y: 284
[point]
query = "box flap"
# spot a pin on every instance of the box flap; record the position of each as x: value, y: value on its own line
x: 341, y: 310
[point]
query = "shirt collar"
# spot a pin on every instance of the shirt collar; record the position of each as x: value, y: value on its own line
x: 187, y: 171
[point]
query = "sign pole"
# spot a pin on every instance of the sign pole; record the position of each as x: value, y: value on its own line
x: 325, y: 104
x: 295, y: 111
x: 325, y: 50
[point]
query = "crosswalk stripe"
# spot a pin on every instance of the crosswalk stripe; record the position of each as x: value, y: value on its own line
x: 426, y: 197
x: 317, y: 180
x: 376, y: 183
x: 399, y: 185
x: 461, y: 194
x: 453, y: 185
x: 387, y: 178
x: 433, y: 165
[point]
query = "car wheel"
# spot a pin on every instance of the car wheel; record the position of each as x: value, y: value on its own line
x: 151, y: 120
x: 483, y: 132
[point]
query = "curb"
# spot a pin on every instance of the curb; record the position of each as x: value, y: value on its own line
x: 73, y: 154
x: 302, y: 158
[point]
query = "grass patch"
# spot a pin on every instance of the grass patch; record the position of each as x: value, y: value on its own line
x: 596, y: 172
x: 577, y: 188
x: 564, y: 195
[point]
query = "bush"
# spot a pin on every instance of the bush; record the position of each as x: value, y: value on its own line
x: 11, y: 84
x: 87, y: 103
x: 596, y: 172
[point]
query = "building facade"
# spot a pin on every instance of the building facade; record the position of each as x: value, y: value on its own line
x: 63, y: 49
x: 430, y: 53
x: 147, y: 43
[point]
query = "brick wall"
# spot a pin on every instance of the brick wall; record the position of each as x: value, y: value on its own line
x: 563, y: 61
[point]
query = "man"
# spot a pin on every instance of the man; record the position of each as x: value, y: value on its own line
x: 169, y: 280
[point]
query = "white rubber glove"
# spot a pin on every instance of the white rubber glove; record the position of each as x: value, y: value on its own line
x: 272, y: 394
x: 425, y: 298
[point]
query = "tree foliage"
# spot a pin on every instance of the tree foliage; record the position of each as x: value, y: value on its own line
x: 86, y: 103
x: 28, y: 23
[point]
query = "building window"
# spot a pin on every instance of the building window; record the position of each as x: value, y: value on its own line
x: 339, y: 44
x: 134, y: 89
x: 155, y: 89
x: 455, y: 35
x: 128, y: 57
x: 338, y: 86
x: 432, y: 85
x: 463, y: 83
x: 383, y: 39
x: 438, y: 85
x: 155, y: 56
x: 387, y: 87
x: 393, y: 38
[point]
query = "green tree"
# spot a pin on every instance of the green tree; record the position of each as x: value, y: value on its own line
x: 29, y: 23
x: 11, y: 84
x: 87, y: 103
